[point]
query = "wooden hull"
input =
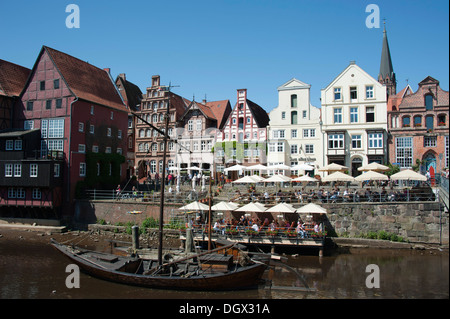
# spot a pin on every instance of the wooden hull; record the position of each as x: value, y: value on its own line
x: 243, y: 278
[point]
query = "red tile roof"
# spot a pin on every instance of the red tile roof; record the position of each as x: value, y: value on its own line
x: 13, y: 78
x: 396, y: 100
x: 86, y: 81
x: 221, y: 110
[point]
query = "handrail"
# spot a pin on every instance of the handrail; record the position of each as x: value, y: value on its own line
x: 264, y: 232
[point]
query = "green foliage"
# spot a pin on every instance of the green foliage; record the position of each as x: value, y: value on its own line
x: 240, y: 147
x: 392, y: 169
x: 150, y: 222
x: 383, y: 235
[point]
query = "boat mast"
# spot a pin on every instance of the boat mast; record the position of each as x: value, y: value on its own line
x: 209, y: 211
x: 163, y: 180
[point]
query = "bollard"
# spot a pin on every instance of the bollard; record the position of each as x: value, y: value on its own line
x: 189, y: 241
x: 135, y: 237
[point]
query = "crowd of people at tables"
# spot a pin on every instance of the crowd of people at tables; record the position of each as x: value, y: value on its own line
x: 221, y: 226
x: 333, y: 195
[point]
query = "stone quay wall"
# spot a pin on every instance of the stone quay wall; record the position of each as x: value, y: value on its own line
x: 422, y: 222
x: 89, y: 211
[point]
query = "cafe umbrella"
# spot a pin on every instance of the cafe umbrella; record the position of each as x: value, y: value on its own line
x: 338, y: 177
x: 371, y: 176
x: 374, y: 166
x: 333, y: 167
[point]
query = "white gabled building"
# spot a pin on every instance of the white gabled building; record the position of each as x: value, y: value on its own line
x: 294, y: 132
x: 354, y: 115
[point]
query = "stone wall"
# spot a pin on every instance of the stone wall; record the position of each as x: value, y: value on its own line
x: 415, y: 221
x: 113, y: 212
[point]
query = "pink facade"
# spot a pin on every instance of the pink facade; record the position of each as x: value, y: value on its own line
x: 70, y: 116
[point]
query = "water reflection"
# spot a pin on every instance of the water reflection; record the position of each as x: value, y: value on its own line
x: 36, y: 270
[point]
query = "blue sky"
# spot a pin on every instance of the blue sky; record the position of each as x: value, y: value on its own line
x: 218, y: 46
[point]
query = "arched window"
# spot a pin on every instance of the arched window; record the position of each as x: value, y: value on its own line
x: 294, y: 117
x: 406, y: 121
x: 141, y: 133
x: 294, y: 100
x: 148, y: 133
x: 155, y: 118
x: 417, y: 121
x: 428, y: 102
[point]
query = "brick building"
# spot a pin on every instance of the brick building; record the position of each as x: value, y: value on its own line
x: 80, y: 113
x: 419, y: 128
x: 149, y: 143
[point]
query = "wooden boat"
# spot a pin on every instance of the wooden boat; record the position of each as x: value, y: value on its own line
x: 210, y: 272
x: 213, y: 272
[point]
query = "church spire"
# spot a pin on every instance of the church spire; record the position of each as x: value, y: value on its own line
x: 387, y: 75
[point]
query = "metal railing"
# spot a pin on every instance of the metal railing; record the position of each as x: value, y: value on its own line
x: 236, y: 231
x: 143, y: 196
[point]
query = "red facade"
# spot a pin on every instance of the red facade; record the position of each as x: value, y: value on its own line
x: 79, y: 111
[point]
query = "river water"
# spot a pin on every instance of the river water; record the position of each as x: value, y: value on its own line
x: 32, y: 269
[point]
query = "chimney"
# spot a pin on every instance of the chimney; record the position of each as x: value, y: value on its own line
x: 123, y: 76
x: 108, y: 70
x: 155, y: 80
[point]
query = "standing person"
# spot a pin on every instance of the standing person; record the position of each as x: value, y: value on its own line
x: 118, y: 190
x: 134, y: 192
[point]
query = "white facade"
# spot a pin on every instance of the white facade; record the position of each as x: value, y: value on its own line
x: 354, y: 115
x: 195, y: 135
x: 294, y: 133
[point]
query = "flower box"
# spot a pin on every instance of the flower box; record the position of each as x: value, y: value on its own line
x: 271, y: 233
x: 251, y: 232
x: 290, y: 233
x: 231, y: 231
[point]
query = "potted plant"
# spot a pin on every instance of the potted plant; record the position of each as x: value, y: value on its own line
x: 231, y: 231
x: 251, y: 232
x: 272, y: 232
x: 290, y: 233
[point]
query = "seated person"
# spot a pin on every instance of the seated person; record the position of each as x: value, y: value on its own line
x: 301, y: 230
